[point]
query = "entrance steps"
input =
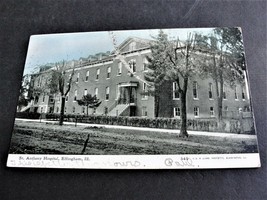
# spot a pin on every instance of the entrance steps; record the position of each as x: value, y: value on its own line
x: 26, y: 108
x: 118, y: 110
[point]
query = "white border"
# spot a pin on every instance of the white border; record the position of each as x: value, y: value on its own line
x: 202, y: 161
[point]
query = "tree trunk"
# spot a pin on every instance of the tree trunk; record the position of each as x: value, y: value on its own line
x: 183, y: 131
x: 220, y: 103
x: 87, y: 110
x: 156, y: 110
x: 156, y: 99
x: 216, y: 76
x: 62, y: 109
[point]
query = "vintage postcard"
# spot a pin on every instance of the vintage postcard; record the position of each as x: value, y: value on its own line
x: 136, y: 99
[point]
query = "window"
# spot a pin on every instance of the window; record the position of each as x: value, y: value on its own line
x: 224, y: 94
x: 176, y: 112
x: 236, y: 94
x: 97, y: 74
x: 73, y: 109
x: 36, y: 99
x: 39, y: 81
x: 176, y: 94
x: 105, y: 110
x: 225, y: 108
x: 211, y: 111
x: 132, y: 46
x: 196, y: 111
x: 119, y: 68
x: 107, y: 93
x: 41, y: 109
x: 246, y: 108
x: 75, y: 95
x: 78, y: 75
x: 132, y: 64
x: 144, y: 111
x: 50, y: 109
x: 51, y: 100
x: 67, y: 97
x: 243, y: 94
x: 118, y: 91
x: 43, y: 97
x: 87, y: 76
x: 96, y: 92
x: 83, y: 110
x: 195, y: 88
x: 144, y: 96
x: 57, y: 110
x: 108, y: 72
x: 85, y: 92
x: 145, y: 63
x: 210, y: 90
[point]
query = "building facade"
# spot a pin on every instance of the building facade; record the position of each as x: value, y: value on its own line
x: 123, y: 94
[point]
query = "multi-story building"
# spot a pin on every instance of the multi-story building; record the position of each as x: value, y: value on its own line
x: 123, y: 93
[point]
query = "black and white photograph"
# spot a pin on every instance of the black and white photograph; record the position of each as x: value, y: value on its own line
x: 155, y: 98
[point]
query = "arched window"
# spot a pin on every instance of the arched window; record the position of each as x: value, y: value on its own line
x: 132, y: 65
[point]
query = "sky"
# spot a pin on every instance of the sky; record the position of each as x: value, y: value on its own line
x: 51, y: 48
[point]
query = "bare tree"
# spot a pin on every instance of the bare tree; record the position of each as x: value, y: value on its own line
x: 175, y: 61
x: 226, y: 60
x: 24, y: 89
x: 61, y: 81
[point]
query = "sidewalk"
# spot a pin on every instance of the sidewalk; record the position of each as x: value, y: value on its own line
x: 205, y: 133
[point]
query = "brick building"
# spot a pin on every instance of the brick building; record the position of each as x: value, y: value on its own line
x: 122, y: 94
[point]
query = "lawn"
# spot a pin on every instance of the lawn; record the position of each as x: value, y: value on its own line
x: 47, y: 138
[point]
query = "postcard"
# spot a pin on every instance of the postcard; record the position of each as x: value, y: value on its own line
x: 136, y: 99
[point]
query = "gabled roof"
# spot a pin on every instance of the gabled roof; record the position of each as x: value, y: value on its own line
x: 135, y: 39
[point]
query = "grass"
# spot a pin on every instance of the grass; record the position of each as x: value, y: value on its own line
x: 41, y: 138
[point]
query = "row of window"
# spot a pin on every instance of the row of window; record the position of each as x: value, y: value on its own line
x: 107, y: 93
x: 176, y: 94
x: 83, y: 110
x: 177, y: 111
x: 132, y: 65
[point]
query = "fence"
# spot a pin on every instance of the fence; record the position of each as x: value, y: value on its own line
x: 236, y: 114
x: 244, y: 125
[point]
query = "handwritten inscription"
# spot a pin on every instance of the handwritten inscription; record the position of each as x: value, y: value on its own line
x: 118, y: 162
x: 182, y: 162
x: 69, y: 162
x: 127, y: 164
